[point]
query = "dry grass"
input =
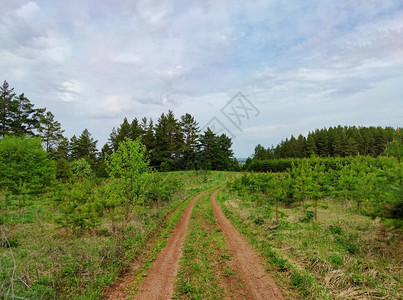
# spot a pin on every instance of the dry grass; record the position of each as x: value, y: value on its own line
x: 354, y: 256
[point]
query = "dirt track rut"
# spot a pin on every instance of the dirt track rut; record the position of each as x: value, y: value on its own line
x: 258, y: 283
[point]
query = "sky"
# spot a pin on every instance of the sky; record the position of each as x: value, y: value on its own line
x: 258, y: 71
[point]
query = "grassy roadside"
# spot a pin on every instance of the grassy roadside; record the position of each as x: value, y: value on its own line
x: 342, y: 256
x: 205, y: 270
x: 40, y: 260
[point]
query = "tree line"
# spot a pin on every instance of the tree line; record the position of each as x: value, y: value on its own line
x: 330, y: 142
x: 171, y: 143
x: 176, y: 144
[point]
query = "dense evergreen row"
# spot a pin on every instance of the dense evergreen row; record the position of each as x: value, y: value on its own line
x: 172, y: 144
x: 334, y: 141
x: 176, y: 144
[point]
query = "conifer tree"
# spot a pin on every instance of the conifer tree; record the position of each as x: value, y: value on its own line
x: 136, y: 129
x: 50, y: 131
x: 310, y: 145
x: 25, y: 117
x: 84, y: 146
x: 168, y: 142
x: 123, y: 132
x: 190, y: 131
x: 6, y: 108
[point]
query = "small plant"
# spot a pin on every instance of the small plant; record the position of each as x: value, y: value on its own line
x: 309, y: 215
x: 336, y: 229
x: 258, y: 221
x: 336, y: 260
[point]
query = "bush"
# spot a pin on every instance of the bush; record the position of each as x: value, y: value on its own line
x: 24, y: 163
x: 161, y: 189
x: 78, y: 206
x: 63, y: 170
x: 82, y: 169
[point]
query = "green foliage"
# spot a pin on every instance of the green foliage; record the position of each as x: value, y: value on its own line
x: 374, y: 184
x: 395, y: 147
x: 169, y: 142
x: 23, y: 162
x: 81, y: 168
x: 84, y: 146
x: 17, y: 114
x: 335, y: 141
x: 63, y: 170
x: 79, y: 208
x: 160, y: 188
x: 215, y: 150
x: 50, y: 131
x: 176, y: 144
x: 128, y: 167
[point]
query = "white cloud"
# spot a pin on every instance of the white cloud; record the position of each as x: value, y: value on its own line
x: 28, y: 10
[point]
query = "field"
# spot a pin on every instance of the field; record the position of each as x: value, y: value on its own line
x: 310, y: 232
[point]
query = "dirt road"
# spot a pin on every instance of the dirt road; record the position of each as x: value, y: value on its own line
x: 258, y: 283
x: 160, y: 279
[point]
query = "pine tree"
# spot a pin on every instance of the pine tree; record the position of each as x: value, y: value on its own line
x: 260, y: 153
x: 84, y: 146
x: 301, y: 146
x: 321, y: 141
x: 190, y: 131
x: 351, y: 147
x: 225, y: 154
x: 208, y: 150
x: 113, y: 140
x: 136, y: 129
x: 25, y: 117
x: 62, y: 150
x: 105, y: 151
x: 310, y: 145
x: 6, y: 108
x: 367, y: 142
x: 292, y: 150
x: 215, y: 151
x: 148, y: 134
x: 168, y: 142
x: 123, y: 132
x: 50, y: 131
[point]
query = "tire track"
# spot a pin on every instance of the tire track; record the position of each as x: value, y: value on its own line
x: 258, y: 283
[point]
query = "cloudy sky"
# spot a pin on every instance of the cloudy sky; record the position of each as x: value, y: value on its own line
x: 301, y: 64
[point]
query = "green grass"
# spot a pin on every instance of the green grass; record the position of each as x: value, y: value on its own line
x: 49, y: 262
x: 344, y: 255
x: 204, y: 268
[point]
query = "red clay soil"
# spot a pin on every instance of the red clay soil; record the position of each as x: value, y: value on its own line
x: 258, y: 283
x: 160, y: 279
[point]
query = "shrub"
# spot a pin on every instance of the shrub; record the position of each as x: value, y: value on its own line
x: 63, y: 170
x: 23, y: 162
x: 82, y: 169
x: 129, y: 169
